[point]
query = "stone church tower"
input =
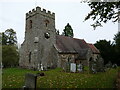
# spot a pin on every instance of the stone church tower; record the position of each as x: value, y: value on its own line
x: 40, y: 37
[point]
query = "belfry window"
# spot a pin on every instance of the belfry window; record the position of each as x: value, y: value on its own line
x: 46, y: 23
x: 30, y: 24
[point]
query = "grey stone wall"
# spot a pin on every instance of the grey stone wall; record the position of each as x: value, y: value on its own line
x: 40, y: 39
x: 33, y: 53
x: 64, y: 59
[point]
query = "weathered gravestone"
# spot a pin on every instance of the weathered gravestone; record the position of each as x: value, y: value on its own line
x: 100, y: 65
x: 94, y: 68
x: 80, y: 67
x: 41, y: 67
x: 108, y: 65
x: 30, y: 81
x: 73, y: 67
x: 114, y: 66
x: 67, y: 67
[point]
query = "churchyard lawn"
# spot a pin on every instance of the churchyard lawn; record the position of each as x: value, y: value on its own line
x: 56, y: 78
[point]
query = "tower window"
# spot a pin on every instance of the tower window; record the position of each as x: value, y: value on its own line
x: 47, y: 35
x: 29, y: 57
x: 46, y: 23
x: 30, y: 23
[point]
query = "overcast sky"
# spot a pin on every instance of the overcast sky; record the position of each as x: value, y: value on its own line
x: 12, y: 15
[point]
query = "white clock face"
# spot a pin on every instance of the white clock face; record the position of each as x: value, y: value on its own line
x: 47, y: 35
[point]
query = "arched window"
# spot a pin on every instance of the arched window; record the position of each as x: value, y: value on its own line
x: 46, y: 23
x: 30, y: 24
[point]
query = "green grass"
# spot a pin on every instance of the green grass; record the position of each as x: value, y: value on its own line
x: 56, y: 78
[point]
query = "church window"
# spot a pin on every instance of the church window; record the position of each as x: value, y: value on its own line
x: 69, y: 58
x: 29, y: 57
x: 30, y: 23
x: 46, y: 23
x: 47, y: 35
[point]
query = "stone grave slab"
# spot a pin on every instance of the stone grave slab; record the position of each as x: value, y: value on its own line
x: 30, y: 81
x: 73, y: 67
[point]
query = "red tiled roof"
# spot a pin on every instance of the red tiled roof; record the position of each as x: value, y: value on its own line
x: 71, y: 45
x: 94, y: 49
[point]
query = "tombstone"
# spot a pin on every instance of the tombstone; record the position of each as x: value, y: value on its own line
x: 94, y: 68
x: 80, y: 67
x: 109, y: 64
x: 114, y: 66
x: 41, y: 67
x: 38, y: 67
x: 73, y: 67
x: 30, y: 82
x: 67, y: 67
x: 100, y: 65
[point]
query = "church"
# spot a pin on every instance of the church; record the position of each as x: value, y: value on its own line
x: 42, y: 46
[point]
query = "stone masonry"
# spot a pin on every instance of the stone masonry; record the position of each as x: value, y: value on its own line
x: 40, y: 36
x: 43, y: 48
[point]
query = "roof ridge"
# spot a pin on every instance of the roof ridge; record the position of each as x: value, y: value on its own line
x: 70, y: 37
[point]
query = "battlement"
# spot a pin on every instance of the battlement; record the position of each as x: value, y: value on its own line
x: 38, y: 10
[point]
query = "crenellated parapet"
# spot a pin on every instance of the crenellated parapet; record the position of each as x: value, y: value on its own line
x: 43, y: 12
